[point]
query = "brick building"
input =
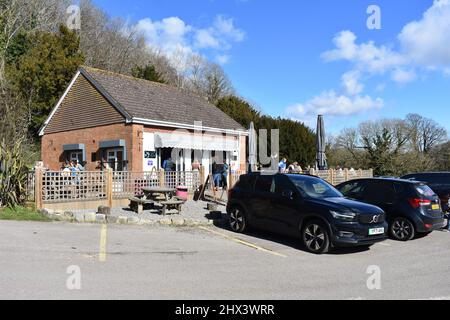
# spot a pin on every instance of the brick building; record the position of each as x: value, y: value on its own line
x: 133, y: 124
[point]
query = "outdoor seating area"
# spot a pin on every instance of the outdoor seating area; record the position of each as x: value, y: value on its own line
x: 161, y: 198
x: 166, y: 191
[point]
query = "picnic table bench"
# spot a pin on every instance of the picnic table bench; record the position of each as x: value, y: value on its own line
x: 163, y: 197
x: 171, y: 204
x: 137, y: 204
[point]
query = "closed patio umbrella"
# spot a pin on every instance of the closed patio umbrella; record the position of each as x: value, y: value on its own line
x: 321, y: 158
x: 252, y: 148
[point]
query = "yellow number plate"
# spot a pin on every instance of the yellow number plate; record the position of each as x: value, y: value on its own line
x: 435, y: 207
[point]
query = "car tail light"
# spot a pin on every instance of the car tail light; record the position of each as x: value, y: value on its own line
x: 417, y: 203
x: 428, y: 226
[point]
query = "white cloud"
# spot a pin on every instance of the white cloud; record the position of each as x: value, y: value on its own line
x: 426, y: 42
x: 174, y: 36
x: 225, y: 27
x: 169, y: 34
x: 334, y: 104
x: 222, y: 59
x: 205, y: 39
x: 366, y: 56
x: 423, y: 45
x: 351, y: 84
x: 403, y: 76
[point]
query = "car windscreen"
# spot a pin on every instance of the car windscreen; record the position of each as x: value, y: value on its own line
x: 314, y: 188
x: 424, y: 190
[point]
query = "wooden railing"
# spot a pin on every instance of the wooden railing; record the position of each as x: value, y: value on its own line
x: 57, y: 187
x: 336, y: 177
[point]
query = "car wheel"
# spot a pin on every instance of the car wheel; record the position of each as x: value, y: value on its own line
x: 237, y: 219
x: 315, y: 237
x: 402, y: 229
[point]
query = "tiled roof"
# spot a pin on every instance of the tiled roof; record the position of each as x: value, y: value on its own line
x: 154, y: 101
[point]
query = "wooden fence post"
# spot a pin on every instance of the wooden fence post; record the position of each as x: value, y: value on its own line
x: 109, y: 187
x: 202, y: 175
x: 346, y: 174
x: 360, y: 172
x: 331, y: 173
x: 230, y: 180
x: 371, y: 173
x: 38, y: 187
x: 162, y: 178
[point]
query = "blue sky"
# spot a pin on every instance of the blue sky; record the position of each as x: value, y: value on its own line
x: 297, y: 58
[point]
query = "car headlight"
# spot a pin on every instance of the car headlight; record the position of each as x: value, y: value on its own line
x: 346, y: 216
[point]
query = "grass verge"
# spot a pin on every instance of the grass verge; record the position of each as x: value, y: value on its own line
x: 22, y: 214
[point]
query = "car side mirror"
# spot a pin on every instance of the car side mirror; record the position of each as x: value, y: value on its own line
x: 288, y: 194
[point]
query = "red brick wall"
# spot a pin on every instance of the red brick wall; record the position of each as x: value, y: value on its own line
x: 136, y: 146
x: 52, y: 153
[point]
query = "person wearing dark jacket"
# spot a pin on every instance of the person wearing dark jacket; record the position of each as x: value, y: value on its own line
x: 224, y: 173
x: 217, y: 175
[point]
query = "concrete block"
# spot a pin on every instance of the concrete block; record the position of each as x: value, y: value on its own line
x: 78, y: 216
x: 122, y: 220
x: 178, y: 221
x: 101, y: 218
x: 90, y: 217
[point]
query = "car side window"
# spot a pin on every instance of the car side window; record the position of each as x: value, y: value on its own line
x: 379, y: 192
x: 282, y: 183
x: 264, y: 183
x: 353, y: 189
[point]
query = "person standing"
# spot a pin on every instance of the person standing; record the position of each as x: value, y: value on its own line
x: 168, y: 165
x: 224, y: 177
x: 217, y: 175
x: 79, y: 166
x: 282, y: 165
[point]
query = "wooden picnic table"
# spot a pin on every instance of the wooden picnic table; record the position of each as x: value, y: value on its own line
x: 151, y: 193
x: 162, y: 196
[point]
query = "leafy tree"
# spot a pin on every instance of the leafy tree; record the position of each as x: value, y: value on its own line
x: 238, y: 109
x: 297, y: 142
x: 440, y: 156
x: 147, y: 72
x: 13, y: 173
x: 43, y: 71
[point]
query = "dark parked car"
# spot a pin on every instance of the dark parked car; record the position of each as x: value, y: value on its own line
x: 411, y: 207
x: 439, y: 182
x: 306, y: 207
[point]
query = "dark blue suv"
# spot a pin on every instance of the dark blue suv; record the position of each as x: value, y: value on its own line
x: 411, y: 207
x: 306, y: 207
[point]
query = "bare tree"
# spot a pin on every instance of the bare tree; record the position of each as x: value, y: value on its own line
x: 424, y: 133
x: 207, y: 79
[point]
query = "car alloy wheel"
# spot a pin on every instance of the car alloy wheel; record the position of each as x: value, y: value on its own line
x: 237, y: 219
x: 402, y: 229
x: 315, y: 237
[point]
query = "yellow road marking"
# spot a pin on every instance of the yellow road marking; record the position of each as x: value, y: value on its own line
x: 102, y: 250
x: 243, y: 242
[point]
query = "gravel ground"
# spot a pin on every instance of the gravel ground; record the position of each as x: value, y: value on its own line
x: 191, y: 210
